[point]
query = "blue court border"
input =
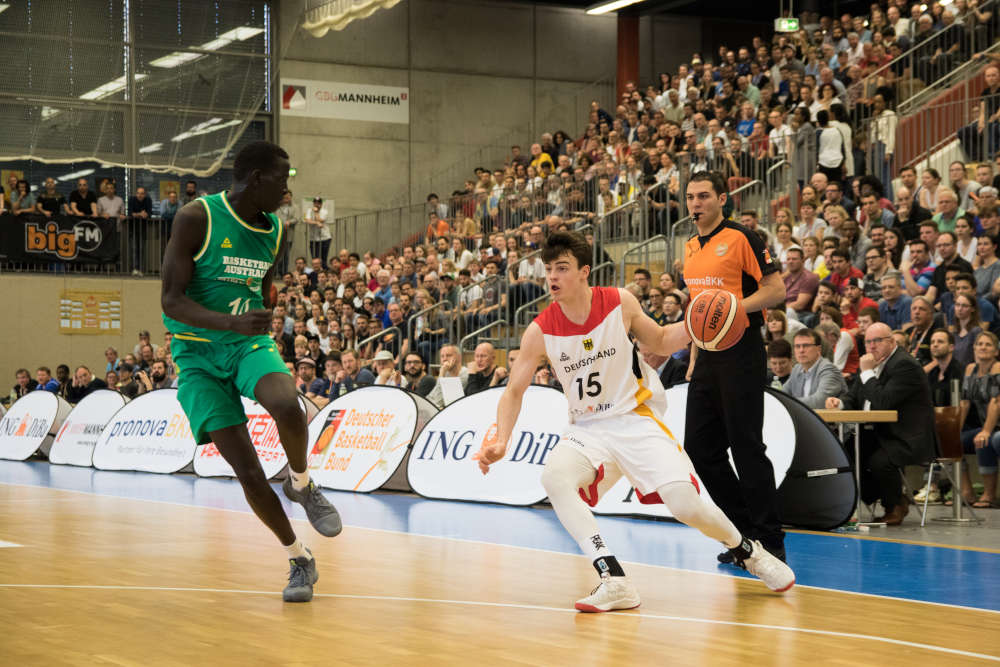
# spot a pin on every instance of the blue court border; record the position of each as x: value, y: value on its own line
x: 933, y: 574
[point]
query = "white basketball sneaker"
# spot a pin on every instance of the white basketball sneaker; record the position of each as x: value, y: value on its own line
x: 775, y: 574
x: 612, y: 593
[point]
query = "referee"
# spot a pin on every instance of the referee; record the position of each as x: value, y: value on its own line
x: 725, y: 407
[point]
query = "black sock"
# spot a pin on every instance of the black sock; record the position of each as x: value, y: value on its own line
x: 743, y: 550
x: 608, y: 565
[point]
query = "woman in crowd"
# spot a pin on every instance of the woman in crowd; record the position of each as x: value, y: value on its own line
x: 966, y: 328
x: 348, y: 337
x: 966, y: 242
x: 926, y: 194
x: 784, y: 239
x: 779, y: 326
x: 980, y: 391
x: 655, y: 310
x: 811, y: 224
x: 894, y: 246
x: 812, y: 259
x: 986, y: 266
x: 845, y: 349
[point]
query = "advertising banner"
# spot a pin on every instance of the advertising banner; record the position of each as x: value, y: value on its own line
x: 75, y: 442
x: 208, y: 462
x: 345, y: 101
x: 30, y: 424
x: 441, y: 465
x: 32, y: 237
x: 779, y: 436
x: 150, y: 434
x: 358, y: 440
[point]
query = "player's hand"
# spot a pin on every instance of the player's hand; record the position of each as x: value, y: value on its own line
x: 252, y: 323
x: 491, y: 452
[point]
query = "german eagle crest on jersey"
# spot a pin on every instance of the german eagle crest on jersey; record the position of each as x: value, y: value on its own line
x: 588, y: 344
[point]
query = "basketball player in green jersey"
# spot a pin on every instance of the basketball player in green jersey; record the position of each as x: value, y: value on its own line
x: 217, y: 272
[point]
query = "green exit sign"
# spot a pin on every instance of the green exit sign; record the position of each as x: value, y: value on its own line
x: 786, y: 25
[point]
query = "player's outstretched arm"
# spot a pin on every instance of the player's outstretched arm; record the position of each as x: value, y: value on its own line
x: 509, y: 407
x: 186, y: 240
x: 662, y: 340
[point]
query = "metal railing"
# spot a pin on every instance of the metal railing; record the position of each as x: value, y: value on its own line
x: 516, y: 330
x: 446, y: 310
x: 644, y: 248
x: 926, y: 63
x: 935, y: 135
x: 474, y: 335
x: 461, y: 326
x: 366, y: 350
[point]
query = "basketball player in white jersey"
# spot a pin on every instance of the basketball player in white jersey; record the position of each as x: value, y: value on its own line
x: 616, y: 408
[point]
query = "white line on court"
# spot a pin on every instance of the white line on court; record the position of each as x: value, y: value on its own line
x: 531, y: 607
x: 512, y: 546
x: 6, y: 545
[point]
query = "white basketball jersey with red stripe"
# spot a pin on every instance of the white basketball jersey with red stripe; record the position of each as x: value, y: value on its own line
x: 599, y: 368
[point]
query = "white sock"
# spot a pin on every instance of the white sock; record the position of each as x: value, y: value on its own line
x: 300, y: 480
x: 296, y: 549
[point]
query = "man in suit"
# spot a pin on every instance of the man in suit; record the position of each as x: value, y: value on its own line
x: 890, y: 379
x: 670, y: 370
x: 814, y: 378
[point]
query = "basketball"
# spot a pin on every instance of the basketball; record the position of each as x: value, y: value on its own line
x: 716, y: 320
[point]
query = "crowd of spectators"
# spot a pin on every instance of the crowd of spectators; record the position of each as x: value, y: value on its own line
x: 864, y: 247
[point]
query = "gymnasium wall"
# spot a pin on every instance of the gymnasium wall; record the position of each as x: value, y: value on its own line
x: 31, y: 335
x: 476, y: 70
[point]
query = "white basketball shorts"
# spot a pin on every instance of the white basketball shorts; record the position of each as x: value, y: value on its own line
x: 638, y: 444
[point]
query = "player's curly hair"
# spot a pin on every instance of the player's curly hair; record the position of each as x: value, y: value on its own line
x: 558, y: 244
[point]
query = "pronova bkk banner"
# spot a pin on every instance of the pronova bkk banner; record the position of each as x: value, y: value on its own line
x: 779, y: 436
x: 75, y: 442
x: 150, y: 434
x: 441, y: 464
x: 358, y: 440
x: 30, y: 424
x: 208, y: 461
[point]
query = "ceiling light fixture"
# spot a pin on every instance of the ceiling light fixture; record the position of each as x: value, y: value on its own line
x: 225, y: 39
x: 612, y: 5
x: 76, y: 174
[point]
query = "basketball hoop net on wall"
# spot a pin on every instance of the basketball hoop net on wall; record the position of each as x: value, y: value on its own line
x: 337, y: 14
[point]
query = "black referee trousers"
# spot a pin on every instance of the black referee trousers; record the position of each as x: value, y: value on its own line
x: 725, y: 409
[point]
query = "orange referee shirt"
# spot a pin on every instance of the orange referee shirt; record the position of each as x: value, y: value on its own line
x: 732, y: 258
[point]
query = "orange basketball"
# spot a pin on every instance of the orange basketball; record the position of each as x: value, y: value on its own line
x: 716, y: 320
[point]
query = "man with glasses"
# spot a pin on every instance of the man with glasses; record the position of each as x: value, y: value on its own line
x: 814, y: 378
x: 835, y: 197
x: 947, y: 248
x: 878, y: 267
x: 889, y: 379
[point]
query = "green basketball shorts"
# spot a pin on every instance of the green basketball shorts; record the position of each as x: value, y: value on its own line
x: 213, y: 376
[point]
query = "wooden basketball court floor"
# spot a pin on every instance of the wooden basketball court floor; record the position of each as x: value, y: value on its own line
x: 138, y: 569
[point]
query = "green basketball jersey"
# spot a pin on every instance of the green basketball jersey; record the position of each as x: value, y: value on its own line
x: 228, y: 269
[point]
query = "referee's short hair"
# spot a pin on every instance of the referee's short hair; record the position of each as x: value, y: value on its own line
x: 713, y: 177
x: 559, y: 243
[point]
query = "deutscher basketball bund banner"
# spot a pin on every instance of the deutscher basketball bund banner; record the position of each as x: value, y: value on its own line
x: 345, y: 101
x: 31, y: 237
